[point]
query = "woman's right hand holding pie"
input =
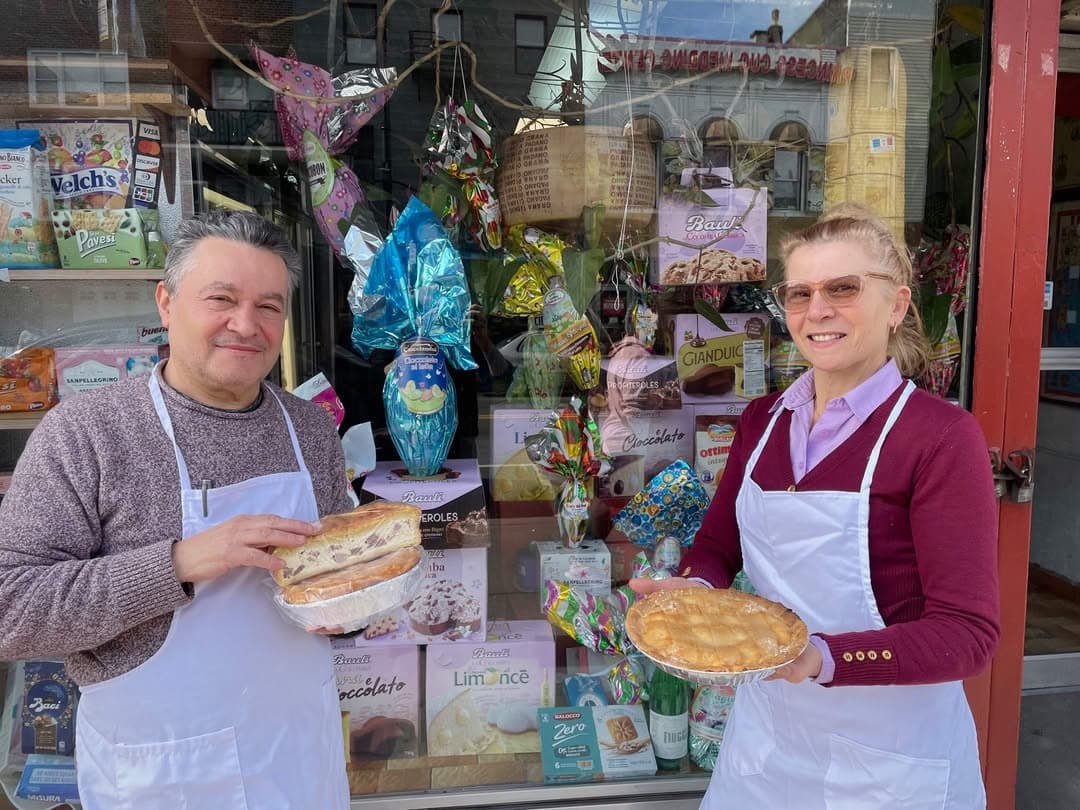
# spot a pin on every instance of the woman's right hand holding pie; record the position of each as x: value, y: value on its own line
x: 643, y: 587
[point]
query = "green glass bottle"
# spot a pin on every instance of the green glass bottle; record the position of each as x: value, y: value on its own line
x: 668, y: 719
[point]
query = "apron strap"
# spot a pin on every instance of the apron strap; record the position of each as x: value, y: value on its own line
x: 752, y: 463
x: 166, y: 423
x: 871, y: 465
x: 292, y: 433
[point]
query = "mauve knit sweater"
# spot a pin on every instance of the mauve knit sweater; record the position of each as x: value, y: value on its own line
x: 87, y: 527
x: 933, y: 536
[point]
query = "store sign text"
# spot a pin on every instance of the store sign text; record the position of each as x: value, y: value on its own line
x: 708, y: 59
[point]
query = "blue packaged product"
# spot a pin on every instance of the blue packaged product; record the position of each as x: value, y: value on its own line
x: 416, y: 302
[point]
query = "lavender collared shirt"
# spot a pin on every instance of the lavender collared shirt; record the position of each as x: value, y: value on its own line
x: 812, y: 441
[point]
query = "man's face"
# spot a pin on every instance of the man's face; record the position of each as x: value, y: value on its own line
x: 226, y: 321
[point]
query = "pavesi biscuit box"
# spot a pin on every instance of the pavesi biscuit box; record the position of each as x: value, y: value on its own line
x: 719, y: 364
x: 49, y: 702
x: 379, y: 690
x: 707, y: 205
x: 514, y: 476
x: 84, y: 368
x: 450, y: 604
x: 714, y: 433
x: 482, y: 698
x: 591, y: 743
x: 587, y: 567
x: 111, y: 238
x: 453, y: 509
x: 26, y: 233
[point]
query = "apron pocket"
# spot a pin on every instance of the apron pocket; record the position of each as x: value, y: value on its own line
x: 749, y: 737
x: 861, y: 777
x: 188, y: 774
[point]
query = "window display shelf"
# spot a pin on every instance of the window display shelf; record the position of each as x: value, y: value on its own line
x: 20, y: 421
x: 93, y: 274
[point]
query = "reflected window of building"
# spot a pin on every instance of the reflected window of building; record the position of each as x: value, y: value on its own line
x: 78, y: 79
x: 361, y: 21
x: 718, y: 139
x: 791, y: 141
x: 448, y: 25
x: 646, y: 127
x: 880, y: 90
x: 530, y: 39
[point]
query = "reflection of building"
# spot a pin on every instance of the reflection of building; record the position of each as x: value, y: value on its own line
x: 769, y: 111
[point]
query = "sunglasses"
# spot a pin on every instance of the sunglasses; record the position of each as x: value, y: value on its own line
x: 794, y: 296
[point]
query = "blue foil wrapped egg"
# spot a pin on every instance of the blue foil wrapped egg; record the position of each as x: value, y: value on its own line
x: 421, y: 406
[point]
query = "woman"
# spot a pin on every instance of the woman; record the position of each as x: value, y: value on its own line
x: 867, y: 507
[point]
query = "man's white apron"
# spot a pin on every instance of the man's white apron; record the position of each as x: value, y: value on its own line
x: 238, y: 710
x: 806, y: 747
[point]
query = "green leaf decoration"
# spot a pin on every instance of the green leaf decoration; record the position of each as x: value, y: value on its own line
x: 967, y: 53
x: 375, y: 193
x: 698, y: 197
x: 593, y: 216
x: 943, y: 81
x: 582, y: 270
x: 965, y: 124
x: 971, y: 18
x: 934, y: 309
x: 489, y: 279
x: 711, y: 314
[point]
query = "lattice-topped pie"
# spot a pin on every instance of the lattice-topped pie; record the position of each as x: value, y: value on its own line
x: 715, y: 630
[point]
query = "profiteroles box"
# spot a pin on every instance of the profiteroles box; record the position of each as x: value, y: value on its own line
x: 379, y: 691
x: 453, y: 509
x: 590, y: 743
x: 482, y: 698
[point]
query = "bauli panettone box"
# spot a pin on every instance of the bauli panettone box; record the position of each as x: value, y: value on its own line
x: 379, y: 691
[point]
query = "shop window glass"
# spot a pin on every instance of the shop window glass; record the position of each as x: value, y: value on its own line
x: 601, y: 128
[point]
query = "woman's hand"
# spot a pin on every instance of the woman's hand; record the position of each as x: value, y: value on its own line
x: 807, y: 665
x: 643, y: 587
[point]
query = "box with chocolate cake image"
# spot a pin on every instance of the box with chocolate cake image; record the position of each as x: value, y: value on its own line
x: 722, y: 363
x: 482, y: 698
x: 452, y: 504
x: 450, y: 604
x: 379, y: 691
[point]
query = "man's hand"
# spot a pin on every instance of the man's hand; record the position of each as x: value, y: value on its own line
x: 807, y: 665
x: 643, y: 587
x: 241, y: 540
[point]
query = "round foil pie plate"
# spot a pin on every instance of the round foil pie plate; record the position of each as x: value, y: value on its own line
x: 709, y: 678
x: 356, y: 610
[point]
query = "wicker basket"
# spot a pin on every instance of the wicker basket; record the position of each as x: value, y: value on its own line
x: 547, y: 176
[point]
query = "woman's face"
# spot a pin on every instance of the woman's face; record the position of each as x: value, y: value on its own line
x: 846, y: 343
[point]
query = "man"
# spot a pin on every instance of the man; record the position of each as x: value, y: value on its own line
x: 133, y: 541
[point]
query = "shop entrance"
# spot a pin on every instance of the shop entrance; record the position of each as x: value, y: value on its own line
x: 1052, y: 637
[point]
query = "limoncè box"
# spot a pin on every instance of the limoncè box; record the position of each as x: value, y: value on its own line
x: 591, y: 743
x: 379, y: 693
x: 482, y: 697
x: 453, y: 510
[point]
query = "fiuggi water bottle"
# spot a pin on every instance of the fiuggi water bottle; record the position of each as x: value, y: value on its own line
x: 669, y: 724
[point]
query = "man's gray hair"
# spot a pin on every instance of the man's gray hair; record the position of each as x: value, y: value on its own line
x: 236, y: 226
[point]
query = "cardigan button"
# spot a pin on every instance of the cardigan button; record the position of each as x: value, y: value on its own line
x: 791, y: 488
x: 860, y: 656
x: 886, y: 655
x: 848, y: 657
x: 872, y: 655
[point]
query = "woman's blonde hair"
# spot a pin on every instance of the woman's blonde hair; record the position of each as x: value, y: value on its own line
x: 851, y: 222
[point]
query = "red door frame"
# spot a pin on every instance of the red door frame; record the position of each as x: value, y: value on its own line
x: 1008, y: 333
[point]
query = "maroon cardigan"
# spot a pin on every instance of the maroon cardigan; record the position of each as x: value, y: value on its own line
x: 933, y: 537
